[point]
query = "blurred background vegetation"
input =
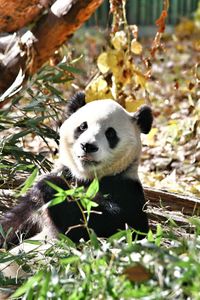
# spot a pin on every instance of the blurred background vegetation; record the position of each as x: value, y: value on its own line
x: 144, y: 13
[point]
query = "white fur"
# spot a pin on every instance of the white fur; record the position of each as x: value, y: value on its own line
x: 46, y: 237
x: 12, y: 269
x: 100, y: 115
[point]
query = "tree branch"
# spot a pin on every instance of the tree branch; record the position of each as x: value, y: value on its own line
x: 187, y: 205
x: 56, y: 27
x: 15, y: 14
x: 30, y: 51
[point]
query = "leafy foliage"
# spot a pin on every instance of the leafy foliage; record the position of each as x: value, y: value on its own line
x: 124, y: 69
x: 115, y: 268
x: 78, y: 195
x: 30, y: 122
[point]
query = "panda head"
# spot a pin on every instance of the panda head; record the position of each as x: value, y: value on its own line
x: 101, y: 138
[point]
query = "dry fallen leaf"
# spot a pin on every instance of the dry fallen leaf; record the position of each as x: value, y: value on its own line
x: 137, y: 273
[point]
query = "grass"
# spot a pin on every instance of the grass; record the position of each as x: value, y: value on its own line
x: 163, y: 266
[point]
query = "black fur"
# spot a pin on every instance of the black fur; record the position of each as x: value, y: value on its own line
x: 120, y: 202
x: 76, y: 102
x: 144, y: 118
x: 112, y: 137
x: 20, y: 217
x: 80, y: 129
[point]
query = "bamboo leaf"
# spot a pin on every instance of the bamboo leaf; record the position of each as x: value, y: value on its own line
x: 28, y: 284
x: 70, y: 260
x: 29, y: 182
x: 92, y: 189
x: 57, y: 200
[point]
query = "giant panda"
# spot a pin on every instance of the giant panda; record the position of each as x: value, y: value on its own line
x: 99, y: 140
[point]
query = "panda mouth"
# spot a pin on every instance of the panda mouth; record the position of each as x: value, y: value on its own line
x: 88, y: 160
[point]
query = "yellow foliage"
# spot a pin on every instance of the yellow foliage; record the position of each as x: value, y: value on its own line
x: 115, y: 60
x: 136, y: 47
x: 120, y: 78
x: 185, y: 28
x: 150, y: 138
x: 140, y: 79
x: 195, y: 189
x: 98, y: 89
x: 102, y: 63
x: 119, y: 41
x: 132, y: 105
x: 196, y: 45
x: 170, y: 182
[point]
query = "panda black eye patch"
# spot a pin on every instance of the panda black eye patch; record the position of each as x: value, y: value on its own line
x: 112, y: 137
x: 80, y: 129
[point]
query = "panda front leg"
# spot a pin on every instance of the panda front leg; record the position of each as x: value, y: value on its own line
x: 11, y: 268
x: 30, y: 213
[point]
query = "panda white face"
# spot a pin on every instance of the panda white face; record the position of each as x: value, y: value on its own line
x: 100, y: 139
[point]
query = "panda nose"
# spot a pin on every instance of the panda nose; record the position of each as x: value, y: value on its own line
x: 89, y: 148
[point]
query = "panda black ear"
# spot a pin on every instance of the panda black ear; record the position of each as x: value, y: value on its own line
x: 144, y: 118
x: 76, y: 102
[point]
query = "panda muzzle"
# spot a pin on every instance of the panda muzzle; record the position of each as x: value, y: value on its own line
x: 89, y: 148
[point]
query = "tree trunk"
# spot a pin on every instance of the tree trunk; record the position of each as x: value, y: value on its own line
x: 187, y: 205
x: 58, y: 26
x: 31, y: 50
x: 15, y: 14
x: 163, y: 206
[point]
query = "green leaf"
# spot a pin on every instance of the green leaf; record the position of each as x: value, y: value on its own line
x: 9, y: 231
x: 71, y: 69
x: 94, y: 240
x: 117, y: 236
x: 44, y: 286
x: 129, y: 236
x: 55, y: 187
x: 29, y: 182
x: 19, y: 135
x: 66, y: 240
x: 2, y: 232
x: 33, y: 242
x: 159, y: 234
x: 7, y: 257
x: 76, y: 193
x: 69, y: 260
x: 93, y: 189
x: 57, y: 200
x: 88, y: 204
x: 150, y: 236
x: 28, y: 284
